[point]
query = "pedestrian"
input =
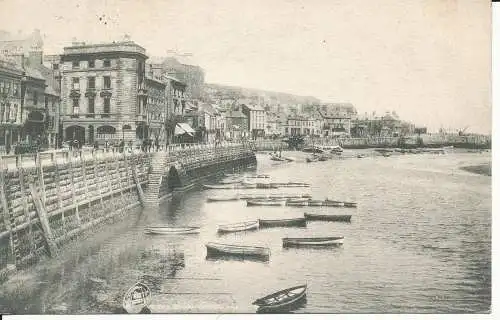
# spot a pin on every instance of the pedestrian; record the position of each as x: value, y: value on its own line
x: 106, y: 145
x: 157, y: 143
x: 150, y: 144
x: 96, y: 147
x: 121, y: 146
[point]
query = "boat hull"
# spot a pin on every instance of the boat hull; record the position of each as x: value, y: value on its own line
x: 265, y: 203
x: 172, y: 230
x: 281, y: 301
x: 313, y: 242
x: 216, y: 249
x: 137, y: 298
x: 328, y: 217
x: 297, y: 222
x: 238, y: 227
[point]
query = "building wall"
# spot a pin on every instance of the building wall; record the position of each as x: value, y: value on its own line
x: 10, y: 105
x: 124, y: 99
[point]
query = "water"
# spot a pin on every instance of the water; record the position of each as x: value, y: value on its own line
x: 419, y: 242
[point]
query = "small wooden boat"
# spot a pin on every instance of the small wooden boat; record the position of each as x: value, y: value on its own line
x: 282, y: 300
x: 313, y: 242
x: 273, y: 203
x: 277, y: 158
x: 312, y: 159
x: 137, y: 298
x: 292, y: 222
x: 328, y: 217
x: 231, y: 181
x: 315, y: 203
x: 350, y: 204
x: 289, y: 184
x: 219, y: 186
x: 240, y: 226
x: 272, y: 196
x: 214, y: 249
x: 258, y: 176
x: 302, y: 203
x: 333, y: 203
x: 216, y: 199
x: 171, y: 230
x: 360, y: 156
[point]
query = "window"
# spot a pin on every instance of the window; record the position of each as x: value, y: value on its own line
x: 91, y: 83
x: 46, y: 102
x: 7, y: 112
x: 35, y: 97
x: 76, y: 84
x: 16, y: 89
x: 107, y: 82
x: 107, y: 108
x: 55, y: 66
x: 2, y: 84
x: 2, y: 111
x: 76, y: 64
x: 91, y: 64
x: 76, y: 108
x: 107, y: 63
x: 91, y: 108
x: 14, y: 112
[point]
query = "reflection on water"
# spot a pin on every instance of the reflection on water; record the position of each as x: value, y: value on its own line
x: 419, y: 242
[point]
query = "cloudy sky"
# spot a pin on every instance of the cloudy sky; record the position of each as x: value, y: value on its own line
x: 429, y: 60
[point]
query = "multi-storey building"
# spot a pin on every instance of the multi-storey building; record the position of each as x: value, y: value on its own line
x: 272, y: 126
x: 236, y: 126
x: 256, y: 116
x: 10, y: 104
x: 299, y: 126
x: 103, y: 92
x: 156, y: 109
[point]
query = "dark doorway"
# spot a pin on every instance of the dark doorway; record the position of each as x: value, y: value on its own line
x: 75, y: 133
x: 91, y: 134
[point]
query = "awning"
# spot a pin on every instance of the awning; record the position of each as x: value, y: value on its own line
x: 182, y: 128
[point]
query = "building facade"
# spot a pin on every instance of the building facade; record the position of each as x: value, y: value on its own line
x: 10, y: 105
x: 256, y: 117
x: 103, y: 92
x: 156, y: 109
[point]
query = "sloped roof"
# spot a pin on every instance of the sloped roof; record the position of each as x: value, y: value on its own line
x: 48, y: 74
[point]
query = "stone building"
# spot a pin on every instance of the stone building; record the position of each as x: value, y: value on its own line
x: 156, y: 109
x: 256, y: 117
x: 10, y: 104
x: 103, y: 92
x: 236, y: 126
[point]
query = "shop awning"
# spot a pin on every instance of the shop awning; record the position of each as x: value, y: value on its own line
x: 182, y: 128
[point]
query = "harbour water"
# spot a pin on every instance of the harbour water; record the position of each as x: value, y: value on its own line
x: 418, y: 242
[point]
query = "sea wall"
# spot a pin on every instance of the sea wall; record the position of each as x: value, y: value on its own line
x: 47, y: 202
x: 43, y: 206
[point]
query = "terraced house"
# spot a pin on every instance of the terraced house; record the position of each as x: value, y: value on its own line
x: 104, y: 92
x: 10, y: 104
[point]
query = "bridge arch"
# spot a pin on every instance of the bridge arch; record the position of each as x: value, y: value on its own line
x: 173, y: 178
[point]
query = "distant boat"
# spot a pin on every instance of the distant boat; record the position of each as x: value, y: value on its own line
x: 315, y: 203
x: 312, y: 150
x: 360, y: 156
x: 350, y: 204
x: 313, y: 242
x: 272, y: 196
x: 231, y: 180
x: 171, y: 230
x: 257, y: 176
x: 229, y: 198
x: 274, y: 203
x: 292, y: 222
x: 219, y: 186
x: 333, y: 203
x: 214, y: 249
x: 313, y: 158
x: 283, y: 300
x: 240, y: 226
x: 328, y: 217
x: 297, y: 203
x: 137, y: 298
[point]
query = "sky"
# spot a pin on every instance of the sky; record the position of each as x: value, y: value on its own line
x: 428, y: 60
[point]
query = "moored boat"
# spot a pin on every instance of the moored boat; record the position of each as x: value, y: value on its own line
x: 229, y: 198
x: 240, y: 226
x: 328, y: 217
x: 291, y: 222
x: 214, y: 249
x: 295, y: 203
x: 273, y: 203
x: 333, y: 203
x: 283, y: 300
x: 273, y: 196
x: 137, y: 298
x: 350, y: 204
x: 313, y: 158
x: 313, y: 241
x: 171, y: 230
x: 219, y: 186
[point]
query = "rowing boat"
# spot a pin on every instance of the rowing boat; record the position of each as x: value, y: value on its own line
x: 350, y: 204
x: 272, y: 196
x: 333, y: 203
x: 293, y: 222
x: 313, y: 242
x: 171, y: 230
x: 273, y: 203
x: 328, y: 217
x: 218, y: 199
x: 240, y: 226
x: 219, y: 186
x: 215, y: 249
x: 137, y: 298
x: 283, y: 300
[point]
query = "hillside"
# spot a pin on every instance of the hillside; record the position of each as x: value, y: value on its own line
x: 215, y: 91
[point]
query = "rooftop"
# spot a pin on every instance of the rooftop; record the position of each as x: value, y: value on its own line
x: 117, y: 46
